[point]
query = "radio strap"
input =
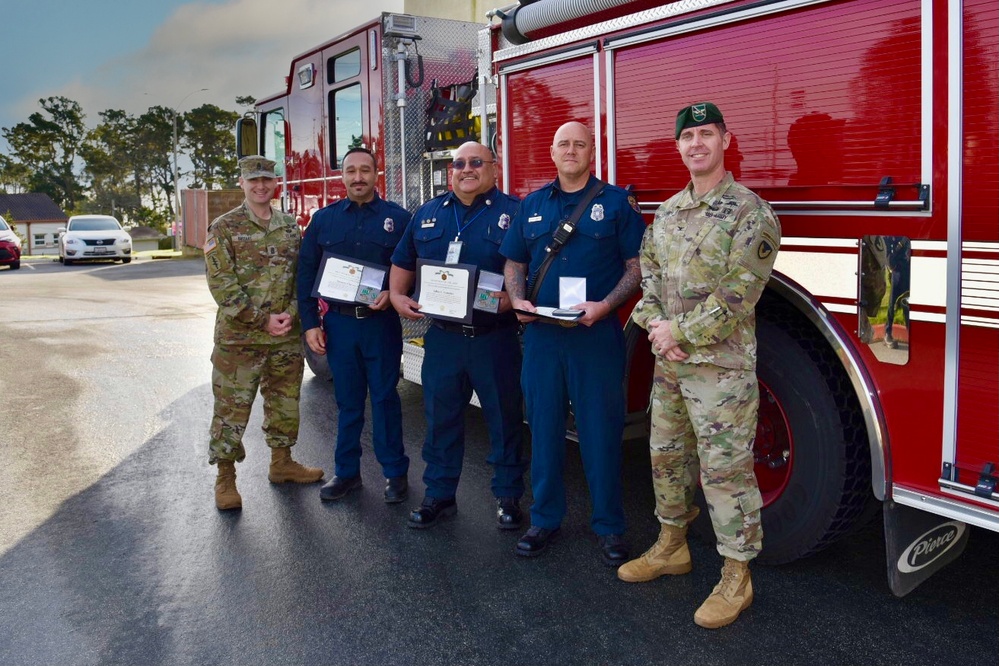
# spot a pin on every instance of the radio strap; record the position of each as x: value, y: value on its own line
x: 561, y: 236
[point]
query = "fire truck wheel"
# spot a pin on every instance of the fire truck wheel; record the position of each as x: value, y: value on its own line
x: 812, y: 455
x: 317, y: 363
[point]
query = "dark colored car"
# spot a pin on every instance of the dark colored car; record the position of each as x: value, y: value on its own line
x: 10, y: 246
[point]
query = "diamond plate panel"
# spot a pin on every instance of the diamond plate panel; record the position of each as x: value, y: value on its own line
x: 449, y: 56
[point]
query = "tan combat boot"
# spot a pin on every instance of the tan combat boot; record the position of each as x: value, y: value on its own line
x: 730, y: 597
x: 226, y: 495
x: 668, y: 555
x: 283, y: 469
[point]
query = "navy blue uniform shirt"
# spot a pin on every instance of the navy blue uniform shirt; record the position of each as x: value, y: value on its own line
x: 367, y: 232
x: 608, y: 232
x: 480, y: 227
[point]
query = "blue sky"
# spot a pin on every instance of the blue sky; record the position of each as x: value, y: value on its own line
x: 133, y: 54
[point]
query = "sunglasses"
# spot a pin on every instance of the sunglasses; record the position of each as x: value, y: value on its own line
x: 475, y: 163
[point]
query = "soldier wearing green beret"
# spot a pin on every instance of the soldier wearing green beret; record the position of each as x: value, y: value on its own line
x: 705, y: 261
x: 251, y: 254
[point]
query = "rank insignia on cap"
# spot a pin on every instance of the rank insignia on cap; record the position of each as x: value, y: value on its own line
x: 695, y: 115
x: 256, y: 166
x: 389, y: 225
x: 504, y: 221
x: 597, y: 212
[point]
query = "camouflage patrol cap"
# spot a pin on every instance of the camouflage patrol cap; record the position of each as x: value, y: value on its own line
x: 695, y: 115
x: 256, y: 166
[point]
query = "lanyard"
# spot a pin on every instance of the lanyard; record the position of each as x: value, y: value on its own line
x: 462, y: 227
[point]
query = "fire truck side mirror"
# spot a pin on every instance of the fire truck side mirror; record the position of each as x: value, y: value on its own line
x: 246, y: 137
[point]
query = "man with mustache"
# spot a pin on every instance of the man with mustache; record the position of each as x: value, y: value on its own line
x: 466, y: 225
x: 362, y: 342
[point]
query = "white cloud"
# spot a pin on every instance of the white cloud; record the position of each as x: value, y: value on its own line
x: 240, y: 47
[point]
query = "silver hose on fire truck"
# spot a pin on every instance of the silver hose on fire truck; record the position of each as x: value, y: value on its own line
x: 527, y: 18
x: 402, y: 60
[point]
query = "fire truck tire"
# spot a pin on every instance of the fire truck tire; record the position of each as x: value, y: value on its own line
x: 317, y: 363
x: 827, y: 489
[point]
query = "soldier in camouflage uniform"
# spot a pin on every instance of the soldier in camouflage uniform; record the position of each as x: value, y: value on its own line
x: 705, y: 260
x: 251, y: 254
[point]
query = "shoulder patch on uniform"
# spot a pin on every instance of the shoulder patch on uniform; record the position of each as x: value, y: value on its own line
x: 760, y: 257
x: 633, y: 202
x: 764, y: 248
x: 210, y: 244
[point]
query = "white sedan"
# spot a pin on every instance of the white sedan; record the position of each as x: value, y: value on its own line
x: 94, y: 237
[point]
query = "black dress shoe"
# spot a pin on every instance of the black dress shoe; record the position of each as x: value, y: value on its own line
x: 534, y: 541
x: 396, y: 489
x: 508, y: 513
x: 614, y: 549
x: 338, y: 487
x: 432, y: 510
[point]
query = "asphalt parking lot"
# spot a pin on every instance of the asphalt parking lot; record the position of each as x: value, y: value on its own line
x: 111, y: 550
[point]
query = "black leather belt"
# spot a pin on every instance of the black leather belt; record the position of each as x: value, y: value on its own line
x: 355, y: 311
x: 470, y: 331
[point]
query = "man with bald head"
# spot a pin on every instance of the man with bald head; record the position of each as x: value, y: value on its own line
x: 465, y: 225
x: 595, y: 269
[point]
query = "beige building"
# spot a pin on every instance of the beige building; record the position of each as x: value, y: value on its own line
x: 459, y: 10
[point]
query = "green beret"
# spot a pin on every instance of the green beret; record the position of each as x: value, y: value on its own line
x: 256, y: 166
x: 695, y: 115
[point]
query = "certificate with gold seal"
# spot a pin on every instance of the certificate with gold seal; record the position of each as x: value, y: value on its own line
x: 347, y: 280
x: 444, y: 290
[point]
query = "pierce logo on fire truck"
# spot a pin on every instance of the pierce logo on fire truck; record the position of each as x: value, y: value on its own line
x: 930, y: 546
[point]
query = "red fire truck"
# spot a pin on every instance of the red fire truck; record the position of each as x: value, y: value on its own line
x: 870, y: 125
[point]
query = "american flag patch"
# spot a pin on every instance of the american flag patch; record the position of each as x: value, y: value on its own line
x: 210, y: 244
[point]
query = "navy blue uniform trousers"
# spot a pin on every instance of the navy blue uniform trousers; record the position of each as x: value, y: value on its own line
x: 583, y: 366
x: 454, y: 366
x: 365, y: 354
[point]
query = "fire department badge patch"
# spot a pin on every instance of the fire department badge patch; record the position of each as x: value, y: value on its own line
x: 504, y: 221
x: 389, y: 225
x: 633, y: 202
x: 597, y: 212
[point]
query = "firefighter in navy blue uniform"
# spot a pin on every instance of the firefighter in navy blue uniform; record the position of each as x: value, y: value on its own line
x: 362, y: 343
x: 582, y: 365
x: 469, y: 222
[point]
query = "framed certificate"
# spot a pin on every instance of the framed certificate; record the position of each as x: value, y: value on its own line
x: 346, y: 280
x: 445, y: 290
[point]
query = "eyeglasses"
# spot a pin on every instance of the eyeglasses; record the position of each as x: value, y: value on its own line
x: 475, y: 163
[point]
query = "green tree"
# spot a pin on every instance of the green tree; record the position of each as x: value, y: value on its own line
x: 153, y: 145
x: 208, y: 137
x: 47, y: 145
x: 111, y: 165
x: 14, y: 176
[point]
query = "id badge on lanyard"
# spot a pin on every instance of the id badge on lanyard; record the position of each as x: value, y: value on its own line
x: 453, y: 251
